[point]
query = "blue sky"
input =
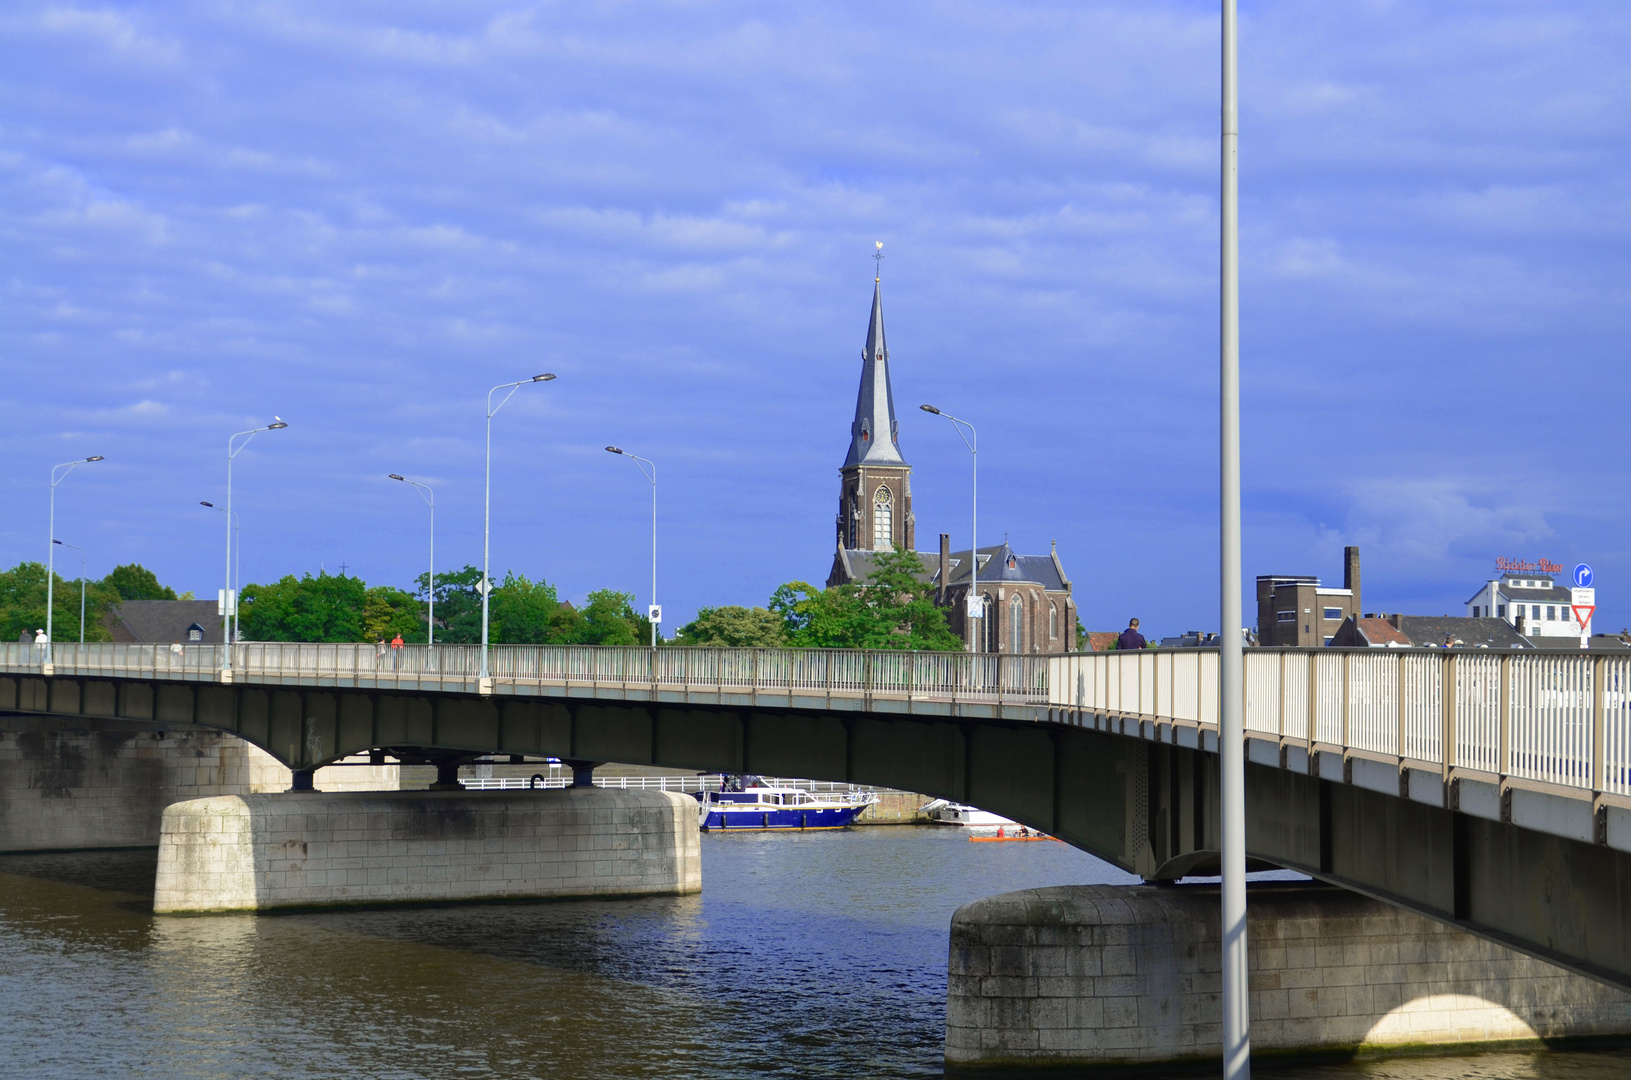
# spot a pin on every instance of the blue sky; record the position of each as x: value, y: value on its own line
x: 359, y: 217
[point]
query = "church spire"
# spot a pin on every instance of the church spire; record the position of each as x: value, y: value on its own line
x: 874, y: 436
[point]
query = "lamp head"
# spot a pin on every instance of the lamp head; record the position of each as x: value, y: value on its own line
x: 95, y: 457
x: 613, y: 450
x: 56, y: 541
x: 398, y: 476
x: 205, y: 502
x: 545, y: 377
x: 277, y: 422
x: 930, y: 409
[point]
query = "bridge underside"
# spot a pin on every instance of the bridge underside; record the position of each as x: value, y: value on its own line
x: 1149, y: 808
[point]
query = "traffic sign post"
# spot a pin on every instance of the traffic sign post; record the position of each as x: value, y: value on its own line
x: 1582, y: 576
x: 1583, y: 602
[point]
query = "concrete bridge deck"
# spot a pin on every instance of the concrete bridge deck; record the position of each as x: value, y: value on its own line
x: 1482, y: 790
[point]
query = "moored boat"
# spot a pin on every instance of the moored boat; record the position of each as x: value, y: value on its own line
x: 946, y: 812
x: 755, y: 807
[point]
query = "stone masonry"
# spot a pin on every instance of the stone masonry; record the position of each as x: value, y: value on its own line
x: 1078, y: 977
x: 304, y: 849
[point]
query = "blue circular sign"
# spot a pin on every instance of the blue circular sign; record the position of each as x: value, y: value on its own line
x: 1582, y: 576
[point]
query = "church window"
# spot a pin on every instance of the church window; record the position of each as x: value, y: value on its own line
x: 1016, y: 624
x: 1053, y: 621
x: 883, y: 519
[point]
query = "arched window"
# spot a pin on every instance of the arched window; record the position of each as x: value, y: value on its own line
x: 883, y: 519
x: 988, y: 623
x: 1053, y: 621
x: 1016, y: 625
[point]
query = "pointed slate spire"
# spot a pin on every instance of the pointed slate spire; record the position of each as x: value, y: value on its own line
x: 874, y: 437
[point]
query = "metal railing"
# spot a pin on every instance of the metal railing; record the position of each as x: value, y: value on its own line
x: 1557, y: 719
x: 853, y: 672
x: 684, y: 784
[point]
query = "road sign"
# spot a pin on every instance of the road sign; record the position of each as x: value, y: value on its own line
x: 1582, y: 576
x: 226, y: 601
x: 655, y: 613
x: 484, y: 586
x: 976, y: 607
x: 1582, y: 614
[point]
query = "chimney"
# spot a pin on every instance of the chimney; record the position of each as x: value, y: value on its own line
x: 1350, y: 573
x: 945, y: 568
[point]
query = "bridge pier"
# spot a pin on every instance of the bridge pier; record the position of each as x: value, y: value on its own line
x: 1085, y: 977
x: 322, y: 849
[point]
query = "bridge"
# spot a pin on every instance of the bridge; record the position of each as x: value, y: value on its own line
x: 1487, y: 791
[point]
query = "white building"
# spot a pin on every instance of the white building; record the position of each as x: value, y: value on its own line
x: 1534, y: 604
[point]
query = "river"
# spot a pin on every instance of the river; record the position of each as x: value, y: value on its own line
x: 807, y: 955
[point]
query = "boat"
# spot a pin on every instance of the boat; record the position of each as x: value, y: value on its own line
x: 946, y: 812
x: 747, y: 804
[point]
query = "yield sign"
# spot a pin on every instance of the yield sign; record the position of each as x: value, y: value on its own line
x: 1582, y: 613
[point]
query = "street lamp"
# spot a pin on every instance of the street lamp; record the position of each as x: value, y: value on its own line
x: 641, y: 463
x: 237, y: 557
x: 81, y: 551
x: 487, y: 506
x: 230, y: 606
x: 51, y: 549
x: 972, y: 441
x: 430, y: 500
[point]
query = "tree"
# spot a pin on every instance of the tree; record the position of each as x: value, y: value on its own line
x: 610, y: 619
x: 22, y: 605
x: 388, y: 611
x: 458, y: 605
x: 738, y: 627
x: 530, y: 613
x: 894, y: 609
x: 321, y: 608
x: 134, y: 581
x: 818, y: 618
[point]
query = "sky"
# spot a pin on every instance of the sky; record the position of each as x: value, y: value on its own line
x: 360, y: 217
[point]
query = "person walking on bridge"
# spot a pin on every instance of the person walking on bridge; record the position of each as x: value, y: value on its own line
x: 1130, y: 638
x: 396, y: 653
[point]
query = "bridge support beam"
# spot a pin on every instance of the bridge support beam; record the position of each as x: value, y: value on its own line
x: 322, y: 849
x: 1081, y: 977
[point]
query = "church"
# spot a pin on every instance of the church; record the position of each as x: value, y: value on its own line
x: 1022, y: 604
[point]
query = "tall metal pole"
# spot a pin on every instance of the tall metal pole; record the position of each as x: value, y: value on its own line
x: 229, y: 607
x: 487, y: 508
x: 430, y: 500
x: 641, y: 464
x: 51, y: 549
x: 237, y: 560
x: 972, y: 441
x: 1237, y: 1063
x: 81, y: 551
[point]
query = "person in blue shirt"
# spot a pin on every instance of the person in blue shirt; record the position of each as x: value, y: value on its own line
x: 1130, y: 638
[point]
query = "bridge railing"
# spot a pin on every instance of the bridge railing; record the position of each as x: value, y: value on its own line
x: 855, y: 672
x: 1559, y: 719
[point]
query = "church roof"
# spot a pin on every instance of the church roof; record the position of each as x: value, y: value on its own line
x: 853, y: 565
x: 874, y: 438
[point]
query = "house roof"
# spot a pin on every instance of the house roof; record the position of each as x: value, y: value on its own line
x: 1378, y: 631
x: 162, y: 621
x: 1466, y: 632
x: 1102, y: 640
x: 1043, y: 570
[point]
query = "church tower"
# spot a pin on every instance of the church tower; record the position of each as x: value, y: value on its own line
x: 875, y: 486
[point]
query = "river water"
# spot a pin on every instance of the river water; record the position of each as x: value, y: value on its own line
x: 813, y: 955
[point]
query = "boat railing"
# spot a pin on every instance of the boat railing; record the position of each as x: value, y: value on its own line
x: 688, y: 784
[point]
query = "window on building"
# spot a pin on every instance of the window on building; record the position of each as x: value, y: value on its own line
x: 988, y: 623
x: 1475, y: 611
x: 1500, y: 609
x: 1563, y: 613
x: 1016, y: 624
x: 1053, y: 621
x: 1285, y: 616
x: 1329, y: 640
x: 1534, y: 612
x: 883, y: 519
x: 1333, y: 613
x: 1551, y: 613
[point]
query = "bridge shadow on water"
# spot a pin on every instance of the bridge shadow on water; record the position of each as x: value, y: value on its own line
x: 816, y: 955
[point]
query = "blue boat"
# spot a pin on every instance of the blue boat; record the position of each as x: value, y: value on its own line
x: 754, y: 807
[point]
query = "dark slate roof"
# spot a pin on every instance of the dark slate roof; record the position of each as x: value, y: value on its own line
x: 1611, y: 643
x: 162, y: 621
x: 874, y: 437
x: 1431, y: 630
x: 1038, y: 569
x: 858, y: 564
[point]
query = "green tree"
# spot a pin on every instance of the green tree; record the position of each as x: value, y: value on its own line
x: 893, y: 609
x: 458, y: 605
x: 819, y: 618
x: 321, y: 608
x: 739, y: 627
x: 22, y: 605
x: 388, y: 611
x: 530, y: 613
x: 610, y: 619
x: 134, y: 581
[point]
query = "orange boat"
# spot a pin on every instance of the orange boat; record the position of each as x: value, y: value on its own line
x: 1003, y: 836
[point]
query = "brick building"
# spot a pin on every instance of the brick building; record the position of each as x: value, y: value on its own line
x: 1298, y: 610
x: 1027, y: 606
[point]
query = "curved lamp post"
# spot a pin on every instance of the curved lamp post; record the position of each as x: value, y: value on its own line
x: 487, y: 506
x: 430, y: 500
x: 58, y: 474
x: 650, y: 474
x: 972, y: 441
x: 81, y: 551
x: 237, y: 557
x: 230, y: 607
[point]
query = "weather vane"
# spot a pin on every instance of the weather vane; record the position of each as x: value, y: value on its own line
x: 877, y: 257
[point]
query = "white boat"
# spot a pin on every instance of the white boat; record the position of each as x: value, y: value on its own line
x: 946, y: 812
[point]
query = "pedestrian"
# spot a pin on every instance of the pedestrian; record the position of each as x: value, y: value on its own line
x: 396, y: 653
x: 379, y: 652
x: 1130, y: 638
x: 40, y: 645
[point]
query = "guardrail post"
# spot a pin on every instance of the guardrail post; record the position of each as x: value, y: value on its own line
x: 1449, y: 683
x: 1282, y: 708
x: 1402, y: 686
x: 1311, y: 684
x: 1347, y: 680
x: 1599, y: 721
x: 1503, y: 752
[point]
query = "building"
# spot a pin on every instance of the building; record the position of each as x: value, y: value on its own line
x: 1417, y: 631
x: 1024, y: 606
x: 1296, y: 610
x: 1527, y: 596
x: 164, y: 622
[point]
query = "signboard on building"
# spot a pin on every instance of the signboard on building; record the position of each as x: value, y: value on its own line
x: 1504, y: 565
